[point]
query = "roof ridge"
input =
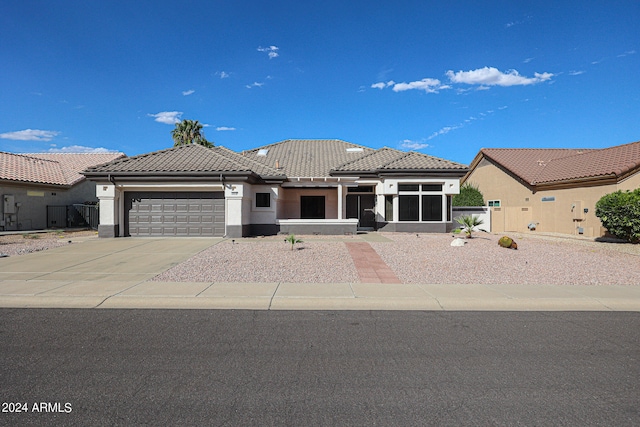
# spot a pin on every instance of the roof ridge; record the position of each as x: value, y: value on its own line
x: 233, y: 155
x: 437, y: 158
x: 364, y: 156
x: 29, y: 156
x: 304, y: 139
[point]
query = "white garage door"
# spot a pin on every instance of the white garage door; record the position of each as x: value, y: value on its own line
x: 175, y: 213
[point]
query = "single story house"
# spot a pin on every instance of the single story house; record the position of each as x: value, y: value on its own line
x: 552, y: 190
x: 297, y: 186
x: 38, y: 189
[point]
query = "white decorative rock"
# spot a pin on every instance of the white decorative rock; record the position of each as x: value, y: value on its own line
x: 458, y: 242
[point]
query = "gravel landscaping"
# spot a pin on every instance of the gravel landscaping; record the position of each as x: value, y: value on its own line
x: 28, y: 242
x: 267, y: 260
x: 423, y: 258
x: 429, y: 258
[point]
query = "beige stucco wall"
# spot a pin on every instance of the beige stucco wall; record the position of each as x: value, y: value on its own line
x: 289, y: 201
x: 630, y: 183
x: 520, y: 206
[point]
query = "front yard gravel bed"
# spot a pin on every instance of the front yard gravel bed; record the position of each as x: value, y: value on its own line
x: 422, y: 258
x: 429, y: 258
x: 267, y: 260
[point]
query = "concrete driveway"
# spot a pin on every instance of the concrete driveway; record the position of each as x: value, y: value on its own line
x: 114, y: 273
x: 126, y: 259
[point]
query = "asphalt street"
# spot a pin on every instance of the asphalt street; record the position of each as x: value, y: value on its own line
x: 234, y: 367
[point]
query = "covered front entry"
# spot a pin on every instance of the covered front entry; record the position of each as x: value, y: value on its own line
x: 174, y: 213
x: 361, y: 206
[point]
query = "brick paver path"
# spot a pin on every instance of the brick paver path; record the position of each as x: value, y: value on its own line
x: 371, y: 268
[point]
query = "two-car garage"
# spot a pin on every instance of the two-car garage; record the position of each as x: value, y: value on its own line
x: 175, y: 213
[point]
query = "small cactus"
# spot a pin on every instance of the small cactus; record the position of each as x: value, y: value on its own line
x: 507, y: 242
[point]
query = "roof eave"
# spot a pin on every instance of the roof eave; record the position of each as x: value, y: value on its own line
x: 35, y: 184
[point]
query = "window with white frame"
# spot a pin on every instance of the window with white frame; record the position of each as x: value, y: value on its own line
x: 420, y: 202
x: 493, y: 203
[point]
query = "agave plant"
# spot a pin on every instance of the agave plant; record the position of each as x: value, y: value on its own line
x: 468, y: 223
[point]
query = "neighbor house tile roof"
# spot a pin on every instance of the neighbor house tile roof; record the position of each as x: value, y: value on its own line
x: 308, y: 157
x: 388, y: 159
x: 191, y: 158
x: 62, y: 169
x: 542, y: 166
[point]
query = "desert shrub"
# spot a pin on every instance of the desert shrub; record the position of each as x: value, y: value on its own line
x: 469, y: 195
x: 620, y: 214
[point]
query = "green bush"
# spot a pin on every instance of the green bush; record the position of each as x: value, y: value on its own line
x: 620, y: 214
x: 469, y: 195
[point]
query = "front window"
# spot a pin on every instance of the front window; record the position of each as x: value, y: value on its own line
x: 493, y: 203
x: 408, y: 208
x: 421, y: 202
x: 263, y: 200
x: 312, y: 207
x: 388, y: 208
x: 432, y: 208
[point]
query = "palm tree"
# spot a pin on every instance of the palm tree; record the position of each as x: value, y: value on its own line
x: 468, y: 223
x: 189, y: 132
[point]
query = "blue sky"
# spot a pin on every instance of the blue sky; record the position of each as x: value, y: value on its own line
x: 443, y: 79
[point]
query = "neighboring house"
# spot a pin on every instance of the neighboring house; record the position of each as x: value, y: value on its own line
x: 293, y: 186
x: 30, y: 183
x: 552, y: 190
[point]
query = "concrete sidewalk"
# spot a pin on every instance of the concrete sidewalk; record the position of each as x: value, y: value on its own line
x: 114, y: 273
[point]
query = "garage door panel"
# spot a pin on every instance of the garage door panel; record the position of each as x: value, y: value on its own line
x: 175, y: 214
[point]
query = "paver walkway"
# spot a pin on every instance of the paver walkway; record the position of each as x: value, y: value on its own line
x: 371, y: 268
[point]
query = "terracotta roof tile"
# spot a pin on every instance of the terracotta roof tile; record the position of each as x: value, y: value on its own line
x: 50, y: 168
x: 613, y: 161
x: 526, y: 163
x: 538, y: 166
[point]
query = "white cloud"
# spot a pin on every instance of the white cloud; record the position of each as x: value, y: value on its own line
x: 448, y: 129
x: 223, y: 74
x: 30, y: 135
x: 254, y: 84
x: 223, y: 128
x: 188, y: 92
x: 427, y: 84
x: 272, y: 51
x: 576, y: 73
x: 167, y: 117
x: 413, y: 145
x: 629, y: 52
x: 81, y: 149
x: 527, y: 60
x: 490, y: 76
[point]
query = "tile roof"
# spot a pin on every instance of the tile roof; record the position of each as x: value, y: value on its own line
x: 540, y: 166
x: 389, y: 159
x: 185, y: 159
x: 308, y: 157
x: 50, y: 168
x: 613, y: 161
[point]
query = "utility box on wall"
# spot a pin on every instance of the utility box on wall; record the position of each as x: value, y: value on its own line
x: 8, y: 204
x: 576, y: 207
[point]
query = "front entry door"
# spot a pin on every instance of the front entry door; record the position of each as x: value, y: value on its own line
x: 361, y: 206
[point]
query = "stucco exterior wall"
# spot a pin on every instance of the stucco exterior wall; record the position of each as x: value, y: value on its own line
x: 552, y: 210
x: 630, y: 183
x: 290, y: 201
x: 34, y: 199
